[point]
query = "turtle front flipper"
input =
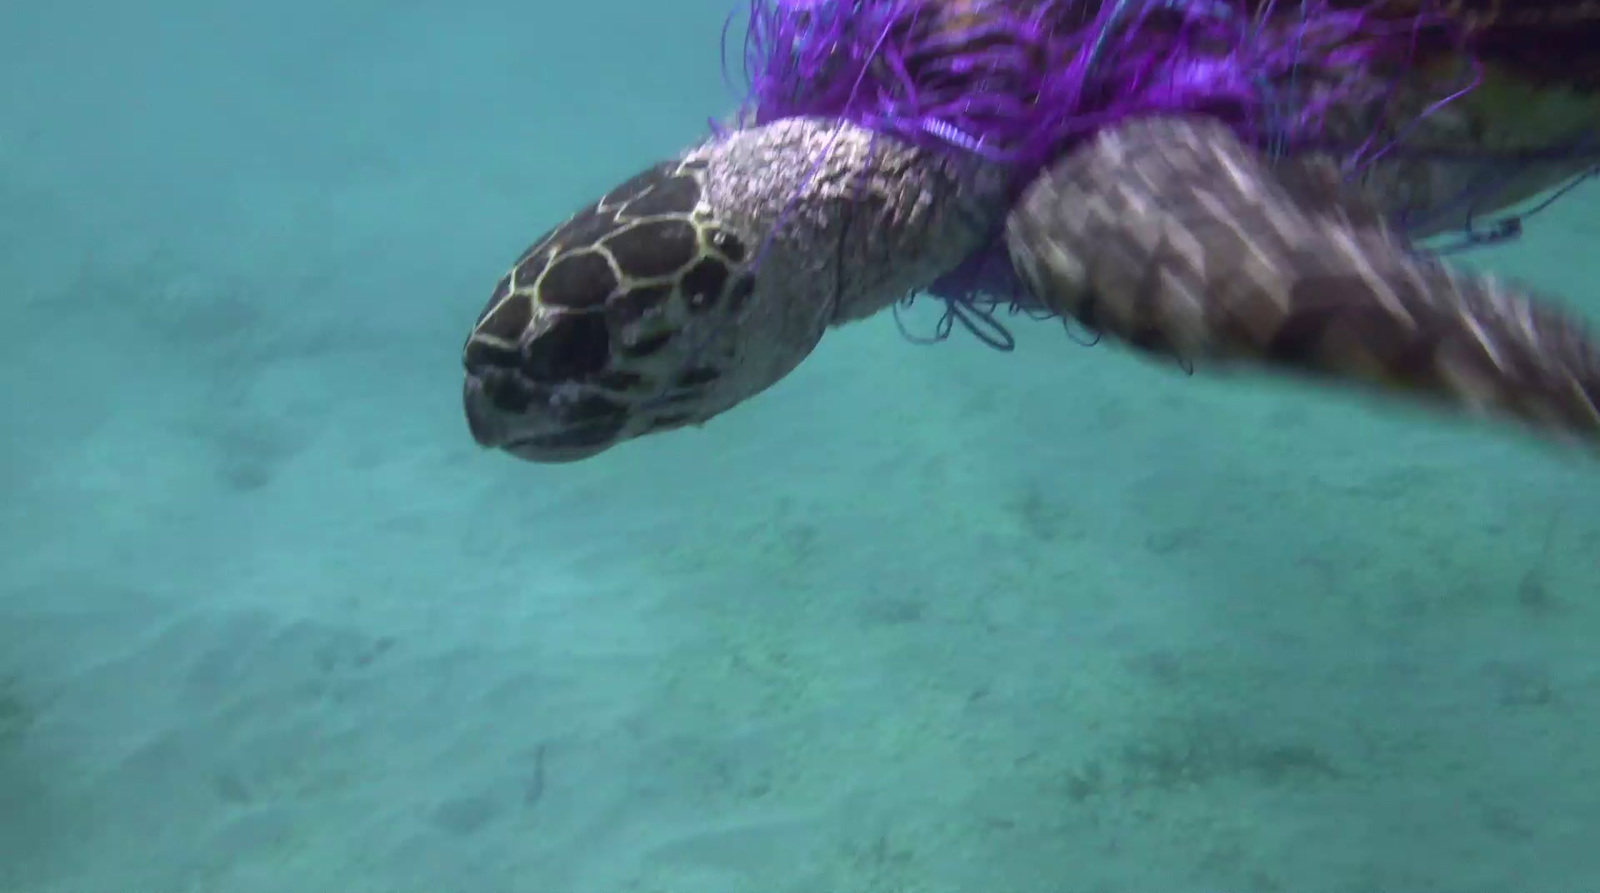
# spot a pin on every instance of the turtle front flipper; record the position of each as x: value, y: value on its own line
x: 1174, y: 237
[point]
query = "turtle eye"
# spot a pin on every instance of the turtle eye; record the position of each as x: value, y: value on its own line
x: 576, y: 347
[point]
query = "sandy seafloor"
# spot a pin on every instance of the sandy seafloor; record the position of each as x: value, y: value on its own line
x: 918, y: 619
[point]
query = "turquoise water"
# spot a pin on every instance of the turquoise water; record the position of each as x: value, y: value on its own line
x: 918, y: 619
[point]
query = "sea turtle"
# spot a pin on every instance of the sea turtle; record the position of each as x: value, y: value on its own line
x: 1238, y: 182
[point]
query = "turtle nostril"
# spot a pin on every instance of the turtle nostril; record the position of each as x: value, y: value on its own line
x: 480, y: 356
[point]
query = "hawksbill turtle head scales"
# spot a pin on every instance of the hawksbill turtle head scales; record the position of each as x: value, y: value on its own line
x: 700, y: 282
x: 582, y: 344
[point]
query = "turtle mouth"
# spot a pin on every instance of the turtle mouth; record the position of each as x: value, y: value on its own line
x: 539, y: 424
x: 578, y: 441
x: 554, y: 450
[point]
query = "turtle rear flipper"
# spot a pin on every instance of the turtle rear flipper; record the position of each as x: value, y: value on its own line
x: 1174, y: 237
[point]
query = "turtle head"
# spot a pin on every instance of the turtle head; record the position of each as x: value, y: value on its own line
x: 621, y: 321
x: 700, y: 282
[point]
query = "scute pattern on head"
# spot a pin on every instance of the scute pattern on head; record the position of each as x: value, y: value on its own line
x: 702, y: 282
x: 583, y: 326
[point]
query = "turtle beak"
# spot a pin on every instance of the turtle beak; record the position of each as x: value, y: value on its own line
x: 480, y: 416
x: 562, y: 431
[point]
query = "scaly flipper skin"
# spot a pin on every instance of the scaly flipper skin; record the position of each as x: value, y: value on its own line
x: 1175, y: 238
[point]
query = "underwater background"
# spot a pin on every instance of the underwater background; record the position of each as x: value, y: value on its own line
x: 920, y: 618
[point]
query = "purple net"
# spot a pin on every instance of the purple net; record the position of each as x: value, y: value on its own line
x: 1018, y: 83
